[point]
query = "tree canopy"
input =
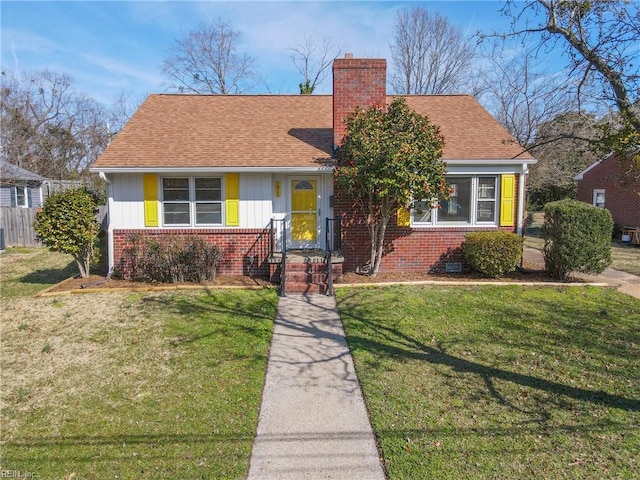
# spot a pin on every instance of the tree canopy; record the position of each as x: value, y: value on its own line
x: 388, y: 159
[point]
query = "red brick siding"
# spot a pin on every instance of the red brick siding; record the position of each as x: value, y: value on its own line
x: 418, y: 249
x: 357, y: 82
x: 621, y: 195
x: 244, y: 251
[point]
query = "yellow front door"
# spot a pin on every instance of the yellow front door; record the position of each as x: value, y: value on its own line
x: 304, y: 211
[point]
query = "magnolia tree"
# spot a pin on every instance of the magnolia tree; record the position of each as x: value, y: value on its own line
x: 67, y: 223
x: 387, y: 160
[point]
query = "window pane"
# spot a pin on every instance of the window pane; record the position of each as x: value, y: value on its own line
x: 486, y: 211
x: 303, y: 185
x: 487, y: 187
x: 598, y: 199
x: 21, y: 196
x: 208, y: 189
x: 175, y: 189
x: 208, y: 213
x: 458, y: 207
x: 176, y: 213
x: 421, y: 212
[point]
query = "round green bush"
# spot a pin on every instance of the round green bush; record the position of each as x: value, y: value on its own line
x: 492, y: 253
x: 577, y: 238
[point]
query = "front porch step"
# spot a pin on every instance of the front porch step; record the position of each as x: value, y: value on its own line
x: 308, y: 277
x: 303, y: 277
x: 310, y: 288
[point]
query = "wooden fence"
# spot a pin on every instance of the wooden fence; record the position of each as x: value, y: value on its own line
x: 16, y: 226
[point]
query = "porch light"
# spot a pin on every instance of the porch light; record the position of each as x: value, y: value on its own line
x: 277, y: 188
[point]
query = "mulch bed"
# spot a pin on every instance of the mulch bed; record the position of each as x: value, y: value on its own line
x: 531, y: 273
x: 513, y: 277
x: 96, y: 282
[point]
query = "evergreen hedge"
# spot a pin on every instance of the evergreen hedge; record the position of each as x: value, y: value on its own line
x: 577, y: 238
x: 492, y: 253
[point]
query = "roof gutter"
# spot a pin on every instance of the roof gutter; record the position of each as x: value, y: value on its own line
x: 493, y: 162
x: 325, y: 168
x: 230, y: 169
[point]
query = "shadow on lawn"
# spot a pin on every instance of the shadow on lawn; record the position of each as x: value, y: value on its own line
x: 50, y: 276
x: 224, y: 312
x: 399, y: 345
x: 119, y: 440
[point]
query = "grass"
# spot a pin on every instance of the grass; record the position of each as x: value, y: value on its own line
x: 130, y: 385
x: 624, y: 258
x: 26, y: 271
x: 499, y: 382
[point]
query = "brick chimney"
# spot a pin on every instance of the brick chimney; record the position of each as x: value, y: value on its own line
x: 357, y: 82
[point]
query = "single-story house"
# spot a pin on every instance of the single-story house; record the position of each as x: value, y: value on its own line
x: 229, y: 167
x: 19, y: 187
x: 605, y: 185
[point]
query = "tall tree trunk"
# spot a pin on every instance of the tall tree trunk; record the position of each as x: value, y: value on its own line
x: 379, y: 245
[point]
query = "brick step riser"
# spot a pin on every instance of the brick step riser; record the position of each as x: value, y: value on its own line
x: 306, y: 288
x: 315, y: 274
x: 308, y: 277
x: 308, y: 267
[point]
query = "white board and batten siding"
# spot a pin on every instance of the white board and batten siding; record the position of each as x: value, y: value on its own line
x: 256, y: 206
x: 126, y: 200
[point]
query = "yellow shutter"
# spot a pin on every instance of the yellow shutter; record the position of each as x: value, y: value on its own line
x: 507, y: 200
x: 150, y: 187
x: 404, y: 218
x: 232, y: 199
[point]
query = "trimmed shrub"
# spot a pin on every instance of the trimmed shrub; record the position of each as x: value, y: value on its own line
x: 171, y: 259
x: 67, y: 223
x: 577, y: 238
x: 492, y: 253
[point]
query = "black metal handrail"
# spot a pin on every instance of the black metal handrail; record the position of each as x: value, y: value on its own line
x: 333, y: 243
x: 283, y: 265
x: 273, y: 249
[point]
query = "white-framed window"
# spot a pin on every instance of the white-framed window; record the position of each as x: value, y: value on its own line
x: 208, y: 201
x: 22, y: 199
x: 486, y: 201
x: 473, y: 201
x: 188, y: 201
x: 598, y: 198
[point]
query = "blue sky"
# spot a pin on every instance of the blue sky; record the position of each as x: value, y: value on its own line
x: 110, y: 47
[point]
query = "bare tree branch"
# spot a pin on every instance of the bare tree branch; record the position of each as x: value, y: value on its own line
x: 49, y: 128
x: 312, y: 59
x: 207, y: 60
x: 430, y: 55
x: 521, y: 95
x: 600, y: 39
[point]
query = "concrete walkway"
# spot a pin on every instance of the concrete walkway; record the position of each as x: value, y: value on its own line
x: 313, y: 422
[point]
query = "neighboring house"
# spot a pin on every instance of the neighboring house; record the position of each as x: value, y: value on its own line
x: 19, y: 187
x: 603, y: 184
x: 224, y: 166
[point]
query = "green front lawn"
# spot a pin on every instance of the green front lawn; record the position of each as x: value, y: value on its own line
x: 121, y: 385
x: 26, y: 271
x: 499, y: 382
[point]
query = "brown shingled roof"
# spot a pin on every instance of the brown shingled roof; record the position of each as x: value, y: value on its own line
x: 279, y: 131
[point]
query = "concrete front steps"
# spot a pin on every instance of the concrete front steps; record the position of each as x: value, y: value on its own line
x: 305, y: 272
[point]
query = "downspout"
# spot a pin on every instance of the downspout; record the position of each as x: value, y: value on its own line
x: 521, y: 196
x: 42, y: 194
x: 109, y: 229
